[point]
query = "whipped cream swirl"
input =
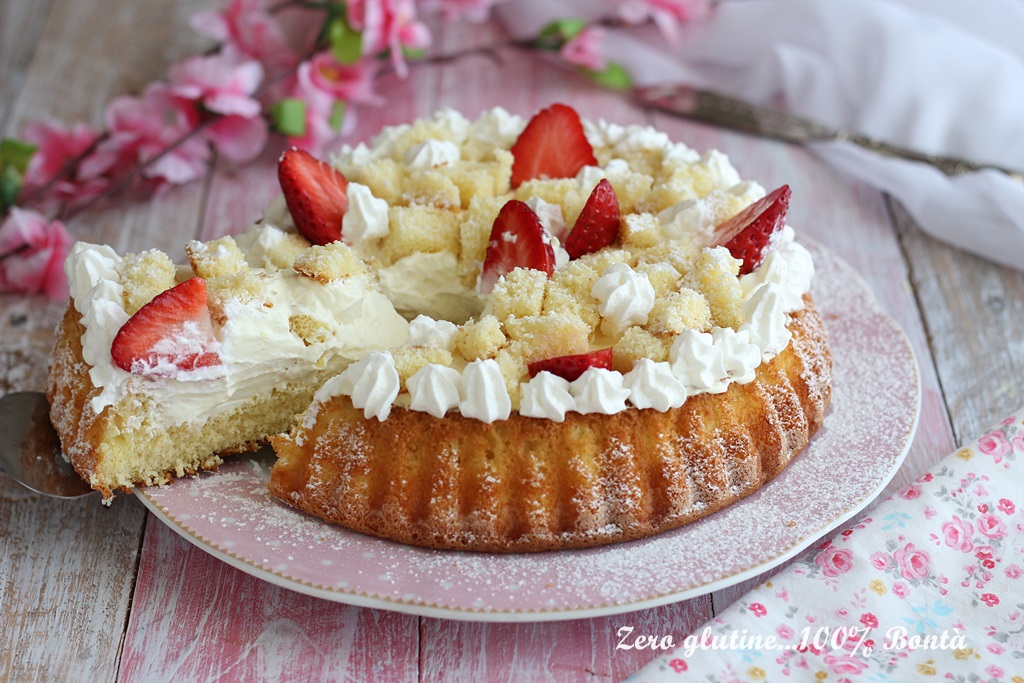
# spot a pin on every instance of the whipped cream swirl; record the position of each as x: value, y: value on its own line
x: 599, y: 390
x: 654, y: 385
x: 373, y: 383
x: 431, y: 154
x: 366, y: 217
x: 434, y: 389
x: 546, y: 395
x: 625, y: 296
x: 483, y: 392
x: 425, y: 331
x: 698, y: 363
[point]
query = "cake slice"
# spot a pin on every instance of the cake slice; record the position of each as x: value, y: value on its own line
x: 140, y: 394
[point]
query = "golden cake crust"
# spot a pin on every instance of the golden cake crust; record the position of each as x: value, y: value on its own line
x: 527, y: 484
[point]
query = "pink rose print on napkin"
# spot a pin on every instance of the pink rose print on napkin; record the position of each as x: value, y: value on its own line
x: 913, y: 563
x: 845, y: 664
x: 834, y: 561
x: 994, y: 444
x: 880, y: 560
x: 945, y: 560
x: 991, y: 526
x: 958, y: 534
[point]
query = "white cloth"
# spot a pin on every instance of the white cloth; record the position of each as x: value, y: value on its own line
x: 940, y: 76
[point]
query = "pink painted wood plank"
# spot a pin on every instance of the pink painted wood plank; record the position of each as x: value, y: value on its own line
x: 580, y: 650
x: 196, y: 618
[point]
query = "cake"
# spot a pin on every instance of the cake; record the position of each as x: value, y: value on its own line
x: 492, y: 335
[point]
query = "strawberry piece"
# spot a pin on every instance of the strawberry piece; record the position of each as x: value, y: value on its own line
x: 551, y: 146
x: 171, y: 333
x: 316, y: 195
x: 598, y: 222
x: 749, y: 234
x: 518, y: 240
x: 571, y: 367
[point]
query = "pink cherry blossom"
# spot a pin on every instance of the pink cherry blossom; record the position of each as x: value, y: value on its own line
x: 869, y: 620
x: 1014, y: 571
x: 56, y: 146
x: 994, y: 444
x: 834, y: 561
x: 757, y: 609
x: 958, y: 534
x: 913, y: 563
x: 318, y: 86
x: 388, y: 25
x: 785, y: 632
x: 32, y: 253
x: 246, y: 31
x: 991, y: 526
x: 238, y: 139
x: 995, y: 648
x: 142, y: 129
x: 899, y: 589
x: 341, y: 82
x: 1006, y: 506
x: 584, y: 49
x: 666, y: 14
x: 990, y: 599
x: 222, y: 84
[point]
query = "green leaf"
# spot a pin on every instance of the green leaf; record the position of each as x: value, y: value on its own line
x: 337, y: 116
x: 413, y: 53
x: 559, y: 32
x: 614, y: 76
x: 289, y: 116
x: 16, y: 154
x: 10, y: 188
x: 346, y: 43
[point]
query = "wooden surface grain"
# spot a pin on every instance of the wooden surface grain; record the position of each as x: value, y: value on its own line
x: 109, y: 595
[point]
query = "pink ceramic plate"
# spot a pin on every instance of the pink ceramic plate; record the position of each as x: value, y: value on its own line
x: 874, y: 410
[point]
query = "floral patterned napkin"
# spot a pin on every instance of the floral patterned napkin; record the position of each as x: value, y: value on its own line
x: 930, y: 586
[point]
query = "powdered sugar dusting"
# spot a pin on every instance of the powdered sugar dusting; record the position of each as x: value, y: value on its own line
x: 863, y: 440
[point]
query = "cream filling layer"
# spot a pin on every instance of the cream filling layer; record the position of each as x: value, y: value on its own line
x: 257, y: 347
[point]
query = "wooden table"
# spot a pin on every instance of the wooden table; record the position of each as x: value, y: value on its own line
x: 92, y: 593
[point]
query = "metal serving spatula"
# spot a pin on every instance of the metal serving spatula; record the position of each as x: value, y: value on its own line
x: 30, y: 450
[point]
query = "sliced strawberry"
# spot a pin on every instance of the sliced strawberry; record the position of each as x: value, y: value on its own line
x: 571, y: 367
x: 551, y: 146
x: 518, y: 240
x: 748, y: 235
x: 315, y: 193
x: 171, y: 333
x: 598, y: 223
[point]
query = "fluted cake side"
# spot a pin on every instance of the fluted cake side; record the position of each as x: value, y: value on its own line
x: 527, y: 484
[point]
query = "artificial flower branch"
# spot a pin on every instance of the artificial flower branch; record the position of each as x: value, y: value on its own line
x: 223, y: 104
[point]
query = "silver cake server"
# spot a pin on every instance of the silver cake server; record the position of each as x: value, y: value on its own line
x: 30, y: 450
